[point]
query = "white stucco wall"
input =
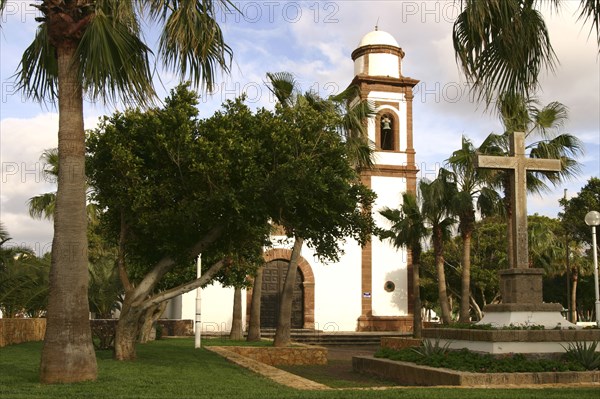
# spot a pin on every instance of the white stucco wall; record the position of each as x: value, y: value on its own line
x: 337, y: 289
x: 359, y: 65
x: 389, y: 264
x: 217, y: 307
x: 383, y: 65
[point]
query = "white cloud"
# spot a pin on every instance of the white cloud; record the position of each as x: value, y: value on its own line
x: 22, y: 141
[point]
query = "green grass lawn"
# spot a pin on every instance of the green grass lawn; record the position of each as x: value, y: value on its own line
x: 174, y: 369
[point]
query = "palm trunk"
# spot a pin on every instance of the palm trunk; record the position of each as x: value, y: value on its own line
x: 465, y: 291
x: 68, y: 353
x: 417, y: 318
x: 283, y: 331
x: 439, y: 264
x: 254, y: 327
x: 575, y: 277
x: 237, y: 333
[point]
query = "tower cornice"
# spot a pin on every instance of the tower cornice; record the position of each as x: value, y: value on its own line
x: 379, y: 49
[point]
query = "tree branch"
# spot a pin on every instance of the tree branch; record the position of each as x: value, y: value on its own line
x: 161, y: 268
x: 182, y: 289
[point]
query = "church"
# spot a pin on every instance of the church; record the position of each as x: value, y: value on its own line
x: 370, y: 288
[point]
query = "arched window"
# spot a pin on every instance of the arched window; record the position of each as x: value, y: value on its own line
x: 386, y: 132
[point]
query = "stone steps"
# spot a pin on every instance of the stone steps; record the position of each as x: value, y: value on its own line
x: 340, y: 338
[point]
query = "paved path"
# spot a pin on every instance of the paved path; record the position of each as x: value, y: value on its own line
x: 345, y: 352
x: 275, y: 374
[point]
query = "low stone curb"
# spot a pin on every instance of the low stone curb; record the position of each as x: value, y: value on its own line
x: 279, y: 376
x: 413, y: 374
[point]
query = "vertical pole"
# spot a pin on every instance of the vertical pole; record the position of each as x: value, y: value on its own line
x: 595, y: 249
x: 568, y: 264
x: 198, y: 326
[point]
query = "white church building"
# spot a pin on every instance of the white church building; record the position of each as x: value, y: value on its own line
x: 370, y: 288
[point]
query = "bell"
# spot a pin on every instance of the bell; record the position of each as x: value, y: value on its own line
x: 386, y: 123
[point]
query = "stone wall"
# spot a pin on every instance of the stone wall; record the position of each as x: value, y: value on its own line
x: 16, y: 331
x: 385, y: 323
x: 288, y: 356
x: 398, y: 343
x: 176, y: 328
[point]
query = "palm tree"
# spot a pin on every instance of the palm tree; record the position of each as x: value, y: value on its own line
x: 472, y: 193
x: 23, y: 280
x: 503, y: 45
x: 408, y: 230
x: 437, y: 211
x: 42, y: 206
x: 97, y: 47
x: 352, y: 128
x: 543, y: 124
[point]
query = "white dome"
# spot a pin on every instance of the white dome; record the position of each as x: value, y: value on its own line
x: 378, y: 37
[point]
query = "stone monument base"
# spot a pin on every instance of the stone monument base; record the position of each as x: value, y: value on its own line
x: 522, y: 306
x: 505, y: 341
x: 547, y: 315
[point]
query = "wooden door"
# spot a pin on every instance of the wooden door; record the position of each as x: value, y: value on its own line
x: 272, y: 287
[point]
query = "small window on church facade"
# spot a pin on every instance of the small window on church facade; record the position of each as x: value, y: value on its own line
x: 386, y: 133
x: 389, y: 286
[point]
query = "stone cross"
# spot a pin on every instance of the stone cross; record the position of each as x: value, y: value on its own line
x: 518, y: 163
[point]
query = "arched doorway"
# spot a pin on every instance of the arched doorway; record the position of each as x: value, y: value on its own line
x: 273, y: 280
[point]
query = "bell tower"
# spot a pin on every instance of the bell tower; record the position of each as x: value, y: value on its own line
x: 387, y: 302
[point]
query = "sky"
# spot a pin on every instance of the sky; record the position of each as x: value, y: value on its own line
x: 313, y: 40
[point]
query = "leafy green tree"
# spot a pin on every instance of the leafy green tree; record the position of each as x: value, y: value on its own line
x: 573, y: 223
x: 172, y: 187
x: 503, y: 45
x: 489, y: 256
x: 97, y: 47
x: 316, y: 195
x: 408, y: 230
x: 472, y: 193
x: 586, y: 200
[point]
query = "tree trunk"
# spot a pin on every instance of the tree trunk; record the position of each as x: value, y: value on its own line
x: 478, y: 312
x: 417, y: 317
x: 134, y: 307
x: 237, y: 332
x: 128, y: 329
x: 283, y: 331
x: 148, y: 320
x: 575, y: 279
x: 254, y: 326
x: 68, y: 353
x: 465, y: 291
x: 439, y: 264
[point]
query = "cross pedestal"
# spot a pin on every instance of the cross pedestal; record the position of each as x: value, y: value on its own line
x: 520, y: 285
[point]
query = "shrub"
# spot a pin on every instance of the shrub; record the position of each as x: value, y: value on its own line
x: 584, y: 354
